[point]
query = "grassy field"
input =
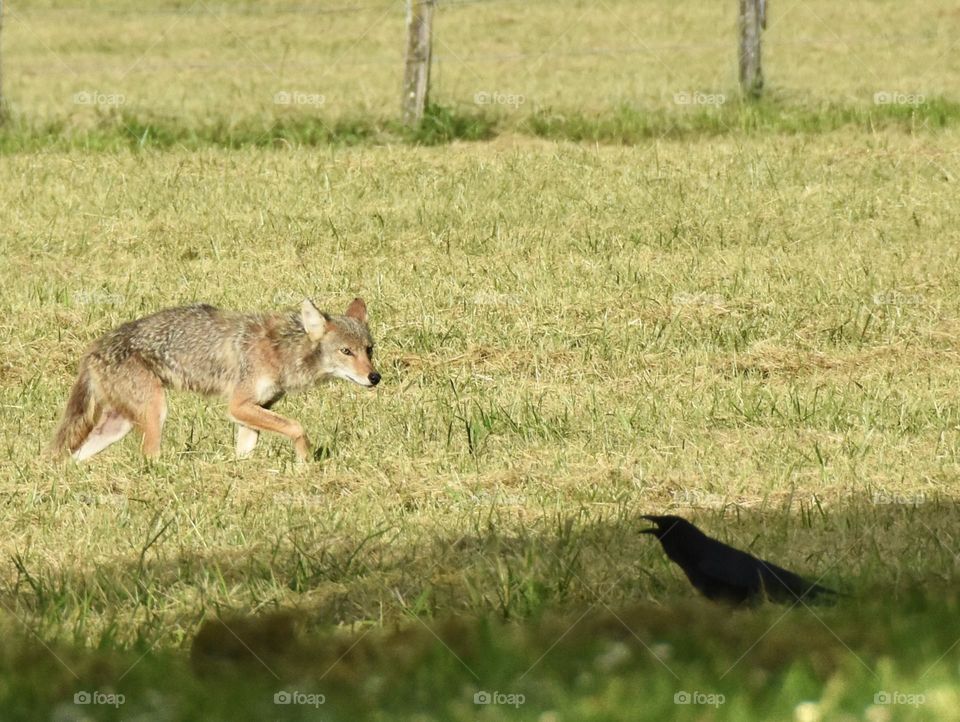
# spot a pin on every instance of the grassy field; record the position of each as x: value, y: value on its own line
x: 177, y: 58
x: 276, y: 73
x: 746, y: 314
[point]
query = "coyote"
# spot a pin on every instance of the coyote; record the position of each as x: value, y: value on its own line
x: 251, y: 360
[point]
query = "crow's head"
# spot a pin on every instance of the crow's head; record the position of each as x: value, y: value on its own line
x: 664, y: 525
x: 680, y: 539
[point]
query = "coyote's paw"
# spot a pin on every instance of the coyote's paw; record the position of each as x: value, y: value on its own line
x: 301, y: 446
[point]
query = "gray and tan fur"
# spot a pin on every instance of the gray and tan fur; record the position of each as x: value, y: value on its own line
x: 251, y: 360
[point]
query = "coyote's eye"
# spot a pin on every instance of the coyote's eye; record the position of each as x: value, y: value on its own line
x: 369, y: 351
x: 346, y: 352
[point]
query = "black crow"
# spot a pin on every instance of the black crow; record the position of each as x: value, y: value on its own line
x: 722, y: 573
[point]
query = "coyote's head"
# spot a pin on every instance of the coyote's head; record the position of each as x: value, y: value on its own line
x: 344, y: 342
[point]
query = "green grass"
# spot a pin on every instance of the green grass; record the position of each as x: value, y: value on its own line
x: 599, y: 304
x: 626, y: 664
x: 445, y: 124
x: 121, y: 131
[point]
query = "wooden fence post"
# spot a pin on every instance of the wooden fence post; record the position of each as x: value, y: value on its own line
x: 753, y: 18
x: 416, y: 76
x: 3, y: 107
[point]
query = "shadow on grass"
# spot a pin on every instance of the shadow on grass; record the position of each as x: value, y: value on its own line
x: 497, y: 566
x: 577, y: 614
x: 624, y: 662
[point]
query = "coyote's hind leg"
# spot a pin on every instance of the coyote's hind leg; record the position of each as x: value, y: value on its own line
x: 111, y: 427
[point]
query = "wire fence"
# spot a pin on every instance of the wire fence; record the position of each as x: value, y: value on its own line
x: 353, y: 57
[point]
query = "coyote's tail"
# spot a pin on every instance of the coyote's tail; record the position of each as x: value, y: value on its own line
x: 79, y: 416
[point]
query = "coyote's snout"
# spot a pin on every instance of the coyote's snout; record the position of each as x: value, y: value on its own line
x: 251, y: 360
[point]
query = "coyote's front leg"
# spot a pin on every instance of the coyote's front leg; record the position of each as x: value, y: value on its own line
x: 256, y: 418
x: 246, y: 440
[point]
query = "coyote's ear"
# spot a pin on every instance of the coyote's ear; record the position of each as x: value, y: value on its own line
x: 314, y: 320
x: 358, y: 310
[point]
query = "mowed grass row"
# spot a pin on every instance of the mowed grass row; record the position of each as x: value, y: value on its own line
x: 761, y: 335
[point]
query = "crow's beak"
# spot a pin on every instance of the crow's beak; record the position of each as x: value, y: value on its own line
x: 656, y: 520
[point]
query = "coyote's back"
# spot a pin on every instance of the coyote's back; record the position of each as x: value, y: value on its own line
x: 197, y: 348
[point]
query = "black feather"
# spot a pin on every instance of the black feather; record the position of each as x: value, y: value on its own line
x: 723, y: 573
